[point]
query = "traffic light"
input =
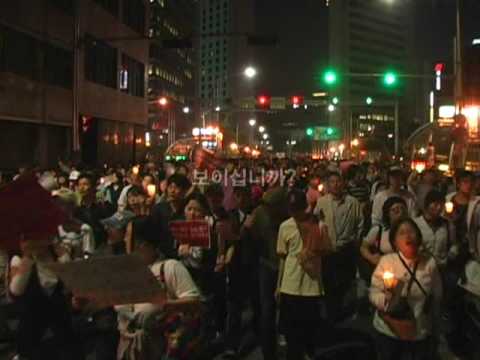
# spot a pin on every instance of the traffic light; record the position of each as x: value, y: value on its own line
x: 330, y: 77
x: 326, y: 133
x: 263, y: 102
x: 369, y: 100
x: 297, y: 100
x: 335, y: 100
x: 390, y: 79
x: 309, y: 131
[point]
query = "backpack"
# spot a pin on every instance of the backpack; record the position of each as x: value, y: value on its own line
x: 315, y: 243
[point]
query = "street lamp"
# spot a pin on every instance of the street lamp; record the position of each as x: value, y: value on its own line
x: 186, y: 110
x: 252, y: 122
x: 265, y: 136
x: 331, y: 107
x: 250, y: 72
x: 217, y: 109
x: 261, y: 129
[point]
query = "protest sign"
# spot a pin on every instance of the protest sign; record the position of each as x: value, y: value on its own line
x: 112, y: 280
x: 193, y: 233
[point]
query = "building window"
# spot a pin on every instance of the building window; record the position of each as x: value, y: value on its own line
x: 134, y: 15
x: 110, y: 5
x: 59, y: 66
x: 135, y: 79
x: 100, y: 62
x: 19, y: 54
x: 64, y: 5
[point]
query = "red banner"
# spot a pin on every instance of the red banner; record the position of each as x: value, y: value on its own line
x: 193, y: 233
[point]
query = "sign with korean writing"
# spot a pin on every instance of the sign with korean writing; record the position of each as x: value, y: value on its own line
x: 193, y: 233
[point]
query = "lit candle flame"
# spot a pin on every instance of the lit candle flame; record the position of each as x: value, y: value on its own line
x: 152, y: 190
x: 449, y: 207
x: 135, y: 170
x: 320, y: 188
x: 388, y: 279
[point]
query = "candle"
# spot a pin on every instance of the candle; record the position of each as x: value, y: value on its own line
x: 102, y: 180
x: 449, y: 207
x: 135, y: 170
x: 389, y: 279
x: 320, y: 188
x: 152, y: 190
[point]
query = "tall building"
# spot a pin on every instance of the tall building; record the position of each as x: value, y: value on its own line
x: 71, y: 86
x: 370, y: 37
x: 223, y: 53
x: 171, y: 71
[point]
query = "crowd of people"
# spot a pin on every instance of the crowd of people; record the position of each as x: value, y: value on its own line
x: 291, y: 249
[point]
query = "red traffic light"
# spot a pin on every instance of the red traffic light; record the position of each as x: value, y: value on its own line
x: 297, y: 100
x: 263, y: 101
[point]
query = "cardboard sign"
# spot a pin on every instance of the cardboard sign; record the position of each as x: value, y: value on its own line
x: 193, y: 233
x: 112, y: 280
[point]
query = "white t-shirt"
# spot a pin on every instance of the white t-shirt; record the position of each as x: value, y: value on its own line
x: 381, y: 197
x: 178, y: 284
x: 435, y: 242
x: 429, y: 277
x: 372, y: 240
x: 122, y: 199
x: 294, y: 281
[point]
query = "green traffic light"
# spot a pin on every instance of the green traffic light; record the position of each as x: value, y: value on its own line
x: 330, y: 131
x: 330, y: 77
x: 335, y: 100
x: 390, y: 79
x: 309, y: 132
x: 369, y: 101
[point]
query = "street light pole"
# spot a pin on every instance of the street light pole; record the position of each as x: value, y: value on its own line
x: 458, y: 56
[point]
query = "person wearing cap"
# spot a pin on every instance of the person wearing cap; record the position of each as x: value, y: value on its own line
x: 147, y: 330
x: 74, y: 237
x: 343, y: 216
x: 116, y: 226
x: 437, y: 234
x: 263, y: 228
x: 396, y: 181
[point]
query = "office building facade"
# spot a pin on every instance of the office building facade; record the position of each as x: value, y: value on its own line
x: 369, y: 38
x: 223, y: 53
x: 74, y: 75
x: 171, y: 71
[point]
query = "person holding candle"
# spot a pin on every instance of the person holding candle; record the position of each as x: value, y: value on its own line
x: 406, y: 290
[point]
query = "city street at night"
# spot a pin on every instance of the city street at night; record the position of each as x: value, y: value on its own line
x: 240, y: 180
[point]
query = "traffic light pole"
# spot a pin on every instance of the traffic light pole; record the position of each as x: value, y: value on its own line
x: 397, y: 128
